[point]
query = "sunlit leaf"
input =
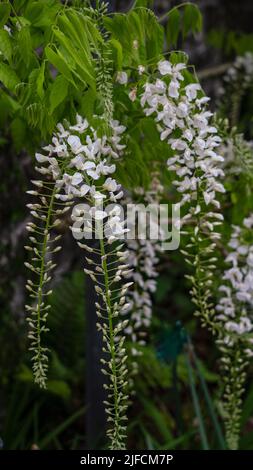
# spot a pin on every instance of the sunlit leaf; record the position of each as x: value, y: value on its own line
x: 8, y: 77
x: 5, y: 45
x: 58, y: 92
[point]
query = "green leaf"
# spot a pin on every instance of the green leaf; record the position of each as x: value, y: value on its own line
x: 59, y: 429
x: 59, y: 63
x: 139, y: 34
x: 196, y: 404
x: 143, y: 3
x: 25, y: 374
x: 59, y: 387
x: 18, y: 132
x: 247, y: 411
x: 80, y: 60
x: 81, y: 30
x: 18, y: 4
x: 41, y: 14
x: 33, y: 11
x: 58, y: 92
x: 119, y: 54
x: 25, y: 44
x: 8, y: 77
x: 9, y: 103
x: 5, y: 10
x: 40, y: 81
x: 173, y: 443
x: 33, y: 113
x: 178, y: 58
x: 87, y: 103
x: 192, y: 20
x: 153, y: 34
x: 160, y: 421
x: 5, y: 45
x: 173, y: 27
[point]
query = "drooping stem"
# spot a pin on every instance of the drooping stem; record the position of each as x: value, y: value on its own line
x: 40, y: 288
x: 115, y: 443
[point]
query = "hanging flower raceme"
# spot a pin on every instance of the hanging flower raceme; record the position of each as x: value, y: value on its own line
x: 101, y: 217
x: 143, y: 258
x: 237, y: 153
x: 79, y: 164
x: 179, y: 108
x: 51, y: 203
x: 235, y: 314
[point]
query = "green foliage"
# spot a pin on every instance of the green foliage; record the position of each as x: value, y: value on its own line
x: 58, y: 92
x: 231, y: 42
x: 8, y: 77
x: 173, y: 27
x: 77, y: 36
x: 182, y: 19
x: 140, y: 36
x: 5, y: 45
x: 143, y: 3
x: 5, y: 10
x: 25, y: 413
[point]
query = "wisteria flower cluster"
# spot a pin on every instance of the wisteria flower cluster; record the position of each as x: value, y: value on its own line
x: 79, y: 164
x: 143, y: 258
x: 234, y: 312
x: 237, y: 302
x: 183, y: 121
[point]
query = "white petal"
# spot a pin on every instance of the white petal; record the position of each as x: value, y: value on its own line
x: 84, y: 189
x: 76, y: 179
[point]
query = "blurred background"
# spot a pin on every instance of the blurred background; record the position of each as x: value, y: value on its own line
x: 68, y: 415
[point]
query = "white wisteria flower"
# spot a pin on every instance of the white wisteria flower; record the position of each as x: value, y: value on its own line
x: 179, y: 110
x: 235, y: 315
x: 235, y: 307
x: 79, y: 164
x: 122, y: 78
x: 142, y: 259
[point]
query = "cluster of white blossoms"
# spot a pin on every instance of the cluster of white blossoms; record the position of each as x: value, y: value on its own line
x: 183, y: 120
x: 86, y: 155
x: 77, y: 158
x: 235, y: 308
x: 234, y: 314
x: 143, y: 258
x: 79, y: 164
x: 179, y: 109
x: 70, y: 167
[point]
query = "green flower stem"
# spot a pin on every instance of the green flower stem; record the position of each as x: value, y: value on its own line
x: 42, y: 272
x: 112, y: 345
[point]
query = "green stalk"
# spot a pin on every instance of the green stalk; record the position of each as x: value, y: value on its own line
x: 42, y: 268
x: 111, y: 341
